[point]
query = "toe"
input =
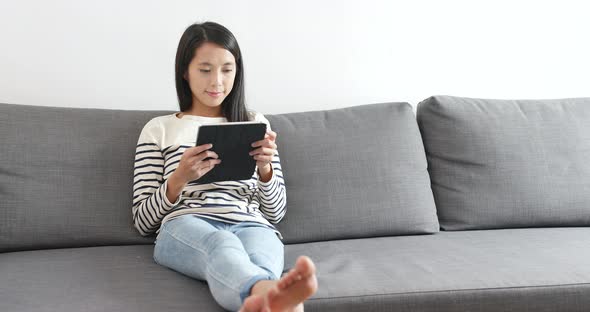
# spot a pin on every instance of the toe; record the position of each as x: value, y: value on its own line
x: 271, y: 294
x: 282, y: 284
x: 304, y: 266
x: 253, y: 304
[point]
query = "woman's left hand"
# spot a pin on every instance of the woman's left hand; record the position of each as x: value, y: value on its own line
x: 265, y: 151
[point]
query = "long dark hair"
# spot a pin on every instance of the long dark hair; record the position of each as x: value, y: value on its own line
x: 234, y: 105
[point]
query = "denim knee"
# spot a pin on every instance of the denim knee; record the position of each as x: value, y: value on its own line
x: 274, y: 267
x: 222, y: 239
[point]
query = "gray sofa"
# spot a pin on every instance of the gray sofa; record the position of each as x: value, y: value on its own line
x: 467, y: 205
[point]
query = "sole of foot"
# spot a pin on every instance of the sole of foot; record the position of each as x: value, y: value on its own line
x: 294, y: 287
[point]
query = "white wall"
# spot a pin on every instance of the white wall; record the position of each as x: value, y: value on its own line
x: 299, y: 55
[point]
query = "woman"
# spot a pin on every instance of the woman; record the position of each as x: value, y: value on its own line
x: 220, y: 232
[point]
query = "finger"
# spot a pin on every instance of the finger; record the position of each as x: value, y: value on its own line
x: 267, y: 137
x: 266, y: 142
x: 263, y: 151
x: 207, y: 166
x: 257, y: 143
x: 268, y: 151
x: 192, y: 151
x: 263, y: 159
x: 213, y: 162
x: 206, y: 154
x: 272, y: 134
x: 269, y: 144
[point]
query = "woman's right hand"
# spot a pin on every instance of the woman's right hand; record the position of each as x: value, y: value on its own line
x: 192, y: 165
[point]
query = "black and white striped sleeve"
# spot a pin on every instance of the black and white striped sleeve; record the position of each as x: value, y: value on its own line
x: 150, y: 203
x: 272, y: 194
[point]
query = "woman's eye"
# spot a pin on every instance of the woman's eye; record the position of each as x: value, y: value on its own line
x: 208, y: 70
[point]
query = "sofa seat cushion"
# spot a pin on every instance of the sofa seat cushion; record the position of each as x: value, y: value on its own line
x: 497, y: 270
x: 493, y: 270
x: 114, y: 278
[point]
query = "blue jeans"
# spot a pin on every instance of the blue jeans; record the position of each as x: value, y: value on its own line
x: 231, y: 258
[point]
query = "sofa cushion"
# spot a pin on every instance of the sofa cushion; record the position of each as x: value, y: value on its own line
x: 488, y: 270
x: 508, y: 163
x: 66, y: 176
x: 110, y: 278
x: 354, y: 172
x: 495, y: 270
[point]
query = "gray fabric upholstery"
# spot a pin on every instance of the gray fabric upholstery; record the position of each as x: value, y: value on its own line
x: 505, y: 163
x: 490, y: 270
x: 109, y: 278
x: 66, y: 176
x: 495, y: 270
x: 354, y: 172
x: 571, y: 298
x: 359, y: 172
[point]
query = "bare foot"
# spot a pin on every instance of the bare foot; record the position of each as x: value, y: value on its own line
x: 254, y: 303
x: 288, y: 293
x: 292, y: 289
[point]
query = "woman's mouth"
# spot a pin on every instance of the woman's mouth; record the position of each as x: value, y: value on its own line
x: 214, y: 94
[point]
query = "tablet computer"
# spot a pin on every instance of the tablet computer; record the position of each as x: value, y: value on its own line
x: 232, y: 141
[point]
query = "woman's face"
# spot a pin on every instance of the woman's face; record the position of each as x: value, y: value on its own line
x: 211, y: 75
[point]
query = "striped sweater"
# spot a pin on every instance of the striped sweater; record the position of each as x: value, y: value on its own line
x: 159, y: 149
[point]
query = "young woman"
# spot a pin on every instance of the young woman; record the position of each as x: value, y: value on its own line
x: 220, y: 232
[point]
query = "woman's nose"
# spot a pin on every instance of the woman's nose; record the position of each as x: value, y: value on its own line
x: 217, y: 79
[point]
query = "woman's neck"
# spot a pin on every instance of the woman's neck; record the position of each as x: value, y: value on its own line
x: 199, y: 109
x: 201, y: 114
x: 181, y: 114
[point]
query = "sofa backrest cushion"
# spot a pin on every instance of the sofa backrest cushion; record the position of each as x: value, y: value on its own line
x: 66, y: 176
x: 508, y: 163
x: 354, y: 172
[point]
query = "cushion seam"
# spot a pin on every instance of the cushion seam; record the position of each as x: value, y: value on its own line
x: 450, y: 290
